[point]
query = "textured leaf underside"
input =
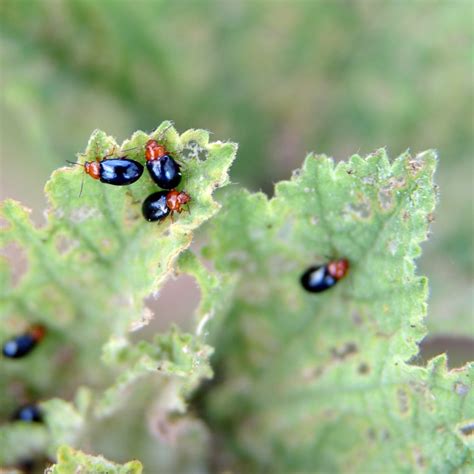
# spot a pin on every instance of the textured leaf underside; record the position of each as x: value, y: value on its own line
x: 322, y: 382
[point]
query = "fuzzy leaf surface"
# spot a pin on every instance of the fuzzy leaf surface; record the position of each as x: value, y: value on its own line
x: 322, y: 382
x: 70, y: 460
x: 87, y: 271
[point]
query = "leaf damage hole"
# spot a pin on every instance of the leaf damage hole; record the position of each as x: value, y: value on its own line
x: 385, y: 197
x: 382, y: 435
x: 461, y: 389
x: 459, y: 350
x: 418, y: 387
x: 361, y: 210
x: 65, y: 244
x: 340, y: 353
x: 17, y: 260
x: 392, y: 247
x: 311, y: 373
x: 363, y: 368
x: 84, y: 213
x: 468, y: 429
x: 403, y: 401
x: 177, y: 301
x: 416, y: 164
x: 193, y: 150
x: 356, y: 318
x: 296, y: 173
x: 418, y: 457
x: 397, y: 182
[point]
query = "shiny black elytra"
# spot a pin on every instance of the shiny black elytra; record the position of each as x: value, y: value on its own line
x: 117, y: 171
x: 155, y: 206
x: 165, y: 172
x: 162, y: 167
x: 29, y: 413
x: 19, y: 346
x: 322, y: 277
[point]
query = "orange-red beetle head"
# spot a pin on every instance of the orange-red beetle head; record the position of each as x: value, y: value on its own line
x: 92, y: 168
x: 175, y: 200
x: 338, y: 268
x: 153, y: 150
x: 37, y: 331
x: 183, y: 197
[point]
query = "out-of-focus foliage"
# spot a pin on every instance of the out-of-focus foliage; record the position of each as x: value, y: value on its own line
x: 322, y: 382
x: 319, y: 74
x: 280, y: 78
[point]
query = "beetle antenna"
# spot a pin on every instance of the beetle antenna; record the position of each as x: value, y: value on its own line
x: 130, y: 149
x: 74, y: 163
x: 82, y: 184
x: 161, y: 135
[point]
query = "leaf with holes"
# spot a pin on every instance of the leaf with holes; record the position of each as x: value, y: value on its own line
x: 323, y: 382
x: 89, y: 268
x: 174, y: 355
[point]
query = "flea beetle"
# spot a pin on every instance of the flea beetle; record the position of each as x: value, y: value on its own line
x: 119, y: 171
x: 29, y: 413
x: 322, y: 277
x: 159, y: 205
x: 23, y: 344
x: 163, y: 169
x: 116, y: 171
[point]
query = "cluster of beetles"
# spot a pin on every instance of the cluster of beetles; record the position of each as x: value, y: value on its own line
x: 165, y: 171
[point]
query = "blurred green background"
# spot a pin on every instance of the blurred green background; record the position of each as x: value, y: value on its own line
x: 280, y: 78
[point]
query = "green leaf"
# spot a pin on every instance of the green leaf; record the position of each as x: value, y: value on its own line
x: 173, y: 355
x: 21, y: 440
x: 161, y: 375
x: 88, y: 270
x: 306, y: 383
x: 322, y: 382
x: 216, y: 293
x: 64, y: 422
x: 71, y: 461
